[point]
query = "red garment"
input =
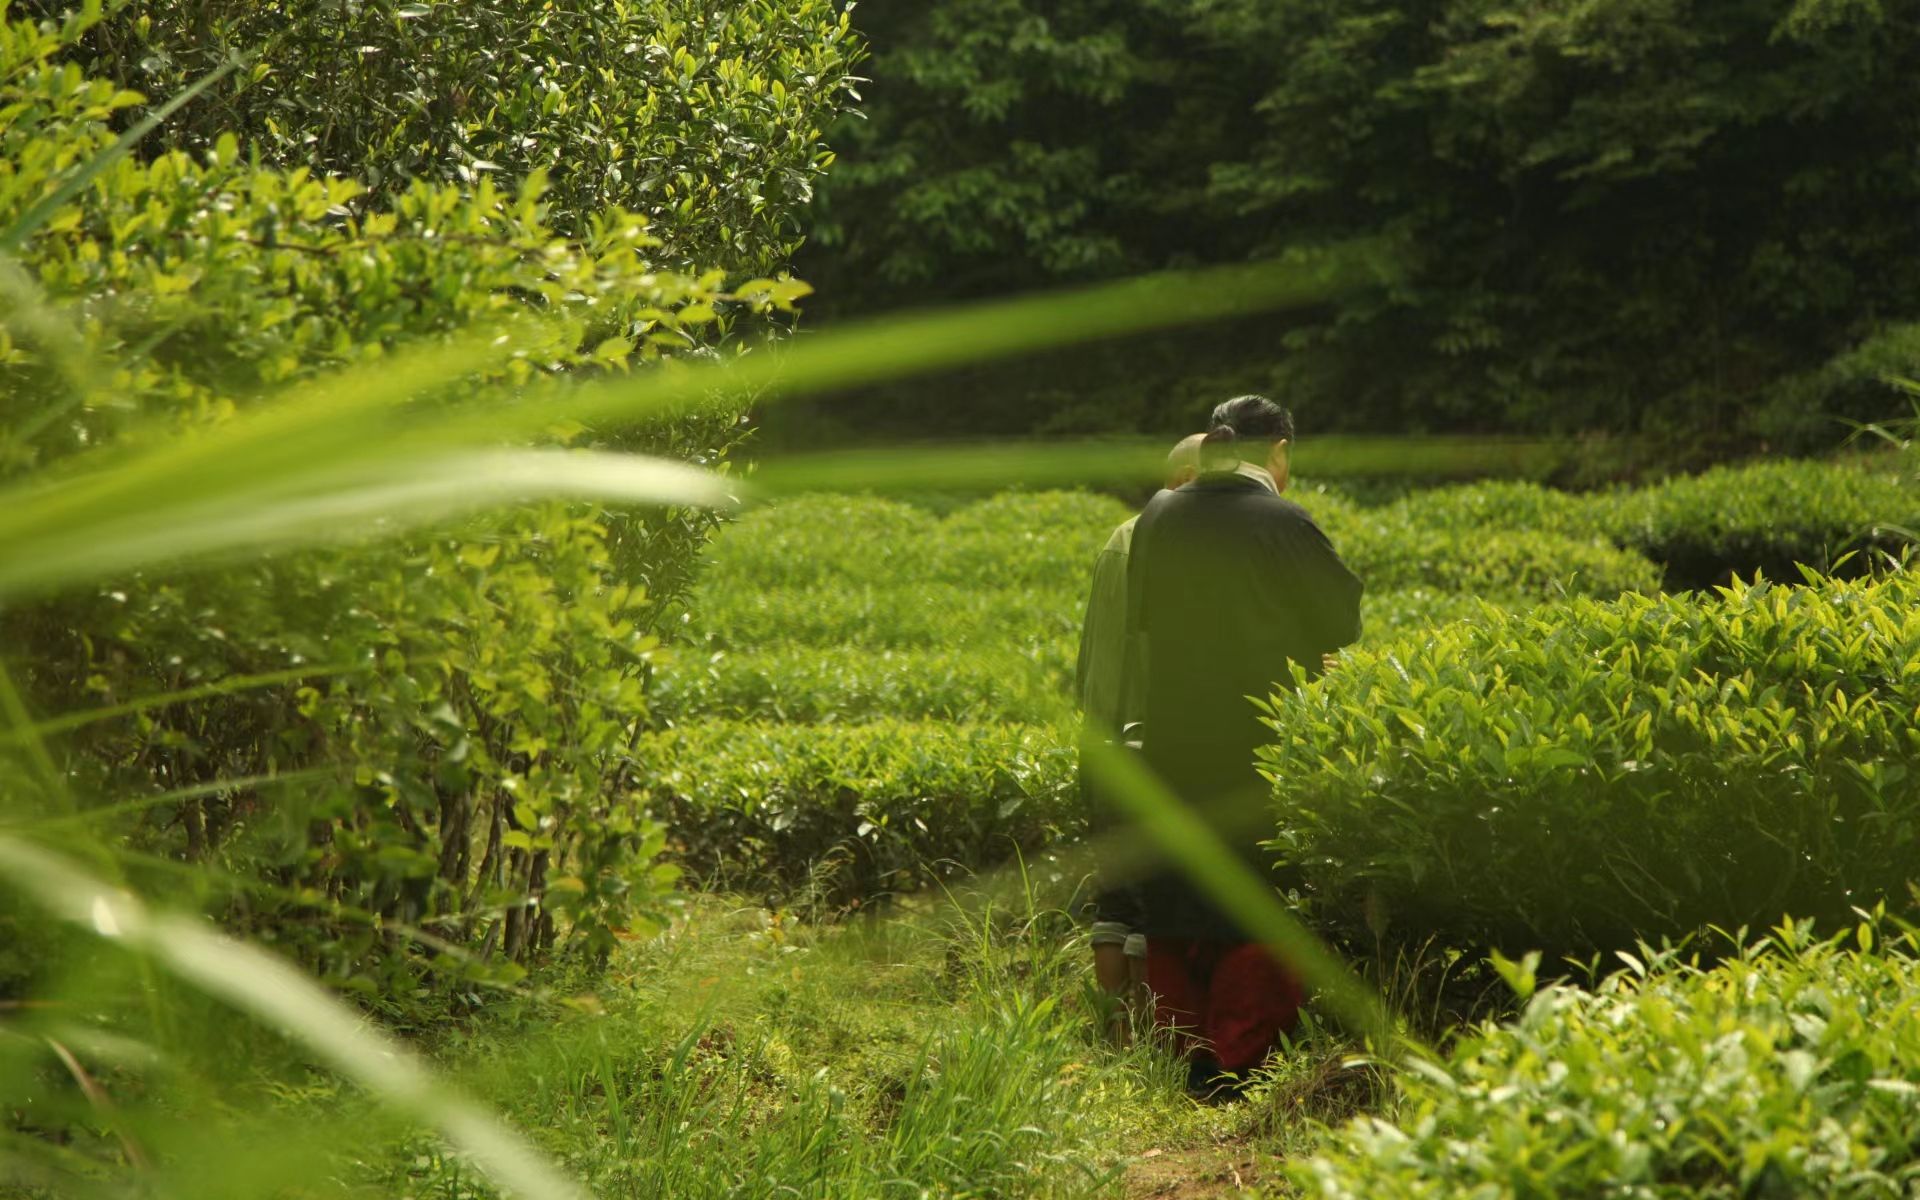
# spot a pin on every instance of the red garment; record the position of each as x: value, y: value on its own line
x: 1232, y: 998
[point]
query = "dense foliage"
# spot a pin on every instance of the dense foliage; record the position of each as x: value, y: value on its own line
x: 465, y: 702
x: 834, y: 635
x: 1767, y: 517
x: 1789, y: 1070
x: 1678, y: 219
x: 850, y: 812
x: 1573, y: 780
x: 704, y: 119
x: 1701, y: 530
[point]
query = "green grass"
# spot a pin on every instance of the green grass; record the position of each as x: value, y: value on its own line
x: 947, y: 1051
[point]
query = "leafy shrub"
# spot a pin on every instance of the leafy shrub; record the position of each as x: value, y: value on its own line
x: 1392, y: 553
x: 1788, y: 1070
x: 1392, y: 616
x: 1579, y: 777
x: 1028, y: 539
x: 855, y: 810
x: 825, y: 684
x: 1475, y: 509
x: 466, y: 697
x: 704, y: 119
x: 1012, y: 540
x: 830, y: 539
x: 928, y: 615
x: 1767, y: 517
x: 1703, y: 530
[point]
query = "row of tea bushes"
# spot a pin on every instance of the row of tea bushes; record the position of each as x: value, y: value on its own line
x: 1790, y: 1069
x: 809, y: 684
x: 1042, y: 544
x: 898, y: 616
x: 1577, y: 778
x: 1766, y: 517
x: 1703, y: 530
x: 1011, y: 540
x: 836, y: 656
x: 853, y: 811
x: 1392, y: 554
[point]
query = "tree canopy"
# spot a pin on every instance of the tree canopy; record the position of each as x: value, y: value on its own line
x: 1651, y: 216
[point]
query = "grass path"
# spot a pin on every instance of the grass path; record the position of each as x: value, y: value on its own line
x: 946, y: 1050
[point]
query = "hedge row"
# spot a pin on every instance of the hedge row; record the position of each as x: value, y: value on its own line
x: 1767, y: 517
x: 852, y: 811
x: 1702, y: 530
x: 835, y: 656
x: 1012, y: 571
x: 910, y: 615
x: 1788, y: 1070
x: 1390, y: 554
x: 827, y: 684
x: 1577, y: 778
x: 1495, y: 538
x: 1015, y: 539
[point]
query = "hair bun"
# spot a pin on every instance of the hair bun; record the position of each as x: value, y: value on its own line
x: 1219, y: 435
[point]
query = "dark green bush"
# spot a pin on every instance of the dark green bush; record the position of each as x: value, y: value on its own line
x: 1767, y: 517
x: 1582, y: 776
x: 1787, y: 1070
x: 1664, y: 219
x: 853, y: 811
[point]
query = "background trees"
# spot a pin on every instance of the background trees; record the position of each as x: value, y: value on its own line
x: 1680, y: 219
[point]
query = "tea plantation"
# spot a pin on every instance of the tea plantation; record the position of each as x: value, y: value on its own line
x: 866, y: 695
x: 1578, y: 727
x: 517, y: 681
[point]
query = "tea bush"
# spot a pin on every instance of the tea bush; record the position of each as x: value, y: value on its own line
x: 1579, y: 777
x: 1791, y: 1069
x: 811, y: 541
x: 1702, y: 530
x: 899, y: 616
x: 1765, y: 517
x: 1393, y: 616
x: 852, y: 811
x: 1012, y: 540
x: 1393, y: 554
x: 841, y: 684
x: 1028, y: 539
x: 1472, y: 510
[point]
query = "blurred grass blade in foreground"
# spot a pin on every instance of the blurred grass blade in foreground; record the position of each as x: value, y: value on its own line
x: 1096, y: 462
x: 340, y: 452
x: 1193, y: 848
x: 396, y: 496
x: 281, y: 996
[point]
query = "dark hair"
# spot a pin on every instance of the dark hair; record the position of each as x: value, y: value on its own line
x: 1253, y: 420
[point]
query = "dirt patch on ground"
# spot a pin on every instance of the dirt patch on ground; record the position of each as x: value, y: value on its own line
x: 1216, y: 1172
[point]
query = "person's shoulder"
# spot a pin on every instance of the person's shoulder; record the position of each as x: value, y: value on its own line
x: 1122, y: 537
x: 1289, y: 506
